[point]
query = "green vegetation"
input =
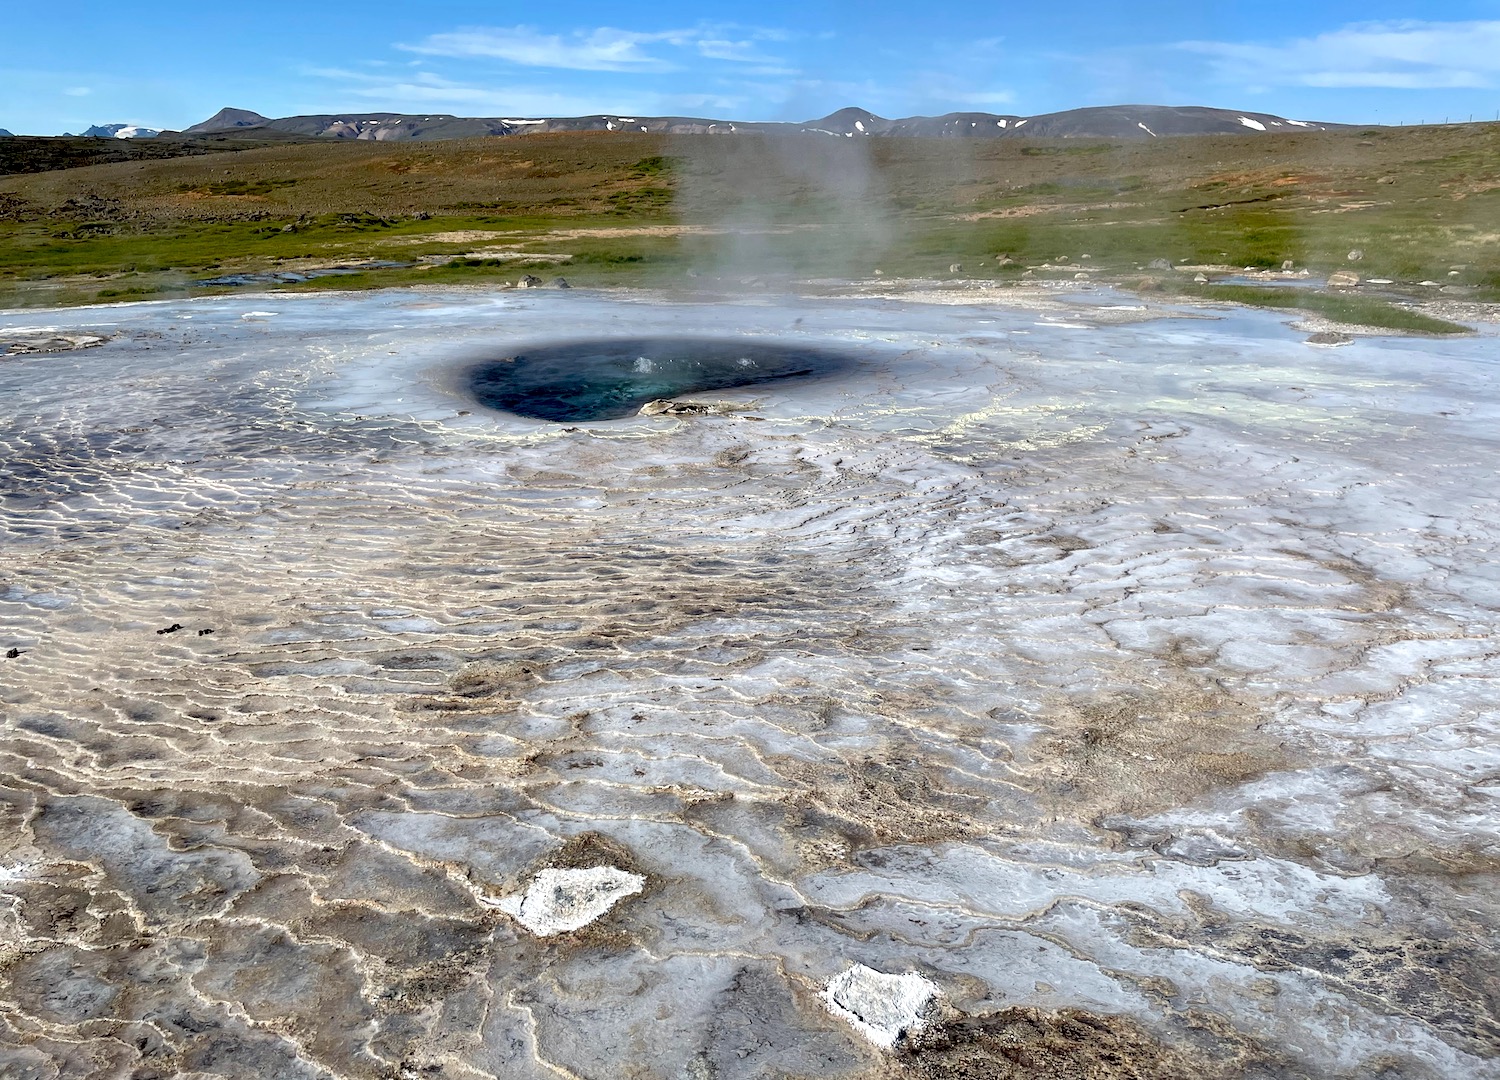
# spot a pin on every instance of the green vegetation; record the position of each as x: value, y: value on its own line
x: 636, y: 209
x: 237, y: 187
x: 1357, y: 310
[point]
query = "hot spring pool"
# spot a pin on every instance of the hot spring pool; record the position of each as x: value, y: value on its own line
x: 608, y: 378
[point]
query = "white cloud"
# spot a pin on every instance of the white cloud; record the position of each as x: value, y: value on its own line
x: 78, y: 91
x: 1403, y: 55
x: 602, y: 49
x: 424, y: 91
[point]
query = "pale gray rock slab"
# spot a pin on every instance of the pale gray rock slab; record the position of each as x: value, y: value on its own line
x: 558, y: 901
x: 883, y: 1008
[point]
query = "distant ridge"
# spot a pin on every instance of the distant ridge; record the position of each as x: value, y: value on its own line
x: 229, y: 119
x: 6, y: 134
x: 120, y: 131
x: 1107, y: 122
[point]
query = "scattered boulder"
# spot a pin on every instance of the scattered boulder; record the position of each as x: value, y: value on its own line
x: 289, y: 228
x: 668, y: 407
x: 24, y: 342
x: 559, y: 901
x: 1159, y: 264
x: 1343, y: 279
x: 529, y: 281
x: 1288, y: 264
x: 1200, y: 279
x: 1356, y: 255
x: 1004, y: 260
x: 1330, y: 339
x: 560, y: 283
x: 1386, y: 180
x: 883, y: 1008
x: 955, y: 268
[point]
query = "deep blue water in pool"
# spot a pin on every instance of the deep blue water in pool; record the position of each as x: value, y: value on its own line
x: 607, y: 378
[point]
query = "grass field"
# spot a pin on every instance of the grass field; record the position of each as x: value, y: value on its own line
x: 1419, y: 204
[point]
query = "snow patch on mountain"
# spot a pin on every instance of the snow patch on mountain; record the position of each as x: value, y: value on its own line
x: 121, y: 131
x: 1100, y: 122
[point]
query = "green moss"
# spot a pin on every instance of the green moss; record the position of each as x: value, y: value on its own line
x: 1355, y: 310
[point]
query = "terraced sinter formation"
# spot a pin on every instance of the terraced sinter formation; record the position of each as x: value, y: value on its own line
x: 1063, y: 692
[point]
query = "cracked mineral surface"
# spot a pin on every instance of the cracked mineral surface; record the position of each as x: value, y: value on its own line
x: 1130, y: 683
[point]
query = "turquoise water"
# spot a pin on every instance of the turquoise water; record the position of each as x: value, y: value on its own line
x: 607, y: 378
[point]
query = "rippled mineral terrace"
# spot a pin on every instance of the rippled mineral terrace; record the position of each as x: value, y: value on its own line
x: 1063, y: 692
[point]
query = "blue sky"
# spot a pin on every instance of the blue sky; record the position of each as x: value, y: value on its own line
x: 172, y: 63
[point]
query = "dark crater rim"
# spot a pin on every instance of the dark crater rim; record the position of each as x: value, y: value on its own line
x: 599, y: 378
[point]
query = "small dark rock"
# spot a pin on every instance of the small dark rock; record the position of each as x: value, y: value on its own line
x: 560, y: 283
x: 11, y: 654
x: 530, y: 281
x: 170, y: 629
x: 205, y: 631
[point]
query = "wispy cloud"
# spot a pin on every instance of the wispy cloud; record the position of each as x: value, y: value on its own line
x: 78, y: 91
x: 426, y: 91
x: 602, y: 49
x: 1401, y: 55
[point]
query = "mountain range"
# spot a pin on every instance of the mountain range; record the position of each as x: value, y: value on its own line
x: 121, y: 131
x: 1112, y: 122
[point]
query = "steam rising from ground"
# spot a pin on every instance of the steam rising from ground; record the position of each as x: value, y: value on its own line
x: 782, y: 206
x: 1130, y: 685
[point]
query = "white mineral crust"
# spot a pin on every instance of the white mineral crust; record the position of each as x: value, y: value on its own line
x: 559, y: 901
x: 880, y: 1007
x: 1056, y: 650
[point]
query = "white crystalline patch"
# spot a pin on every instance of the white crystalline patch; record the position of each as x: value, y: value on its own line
x: 1147, y: 130
x: 259, y: 315
x: 13, y: 872
x: 558, y: 901
x: 1249, y: 123
x: 880, y: 1007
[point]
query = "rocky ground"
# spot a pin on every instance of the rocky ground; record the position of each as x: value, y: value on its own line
x: 1067, y: 690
